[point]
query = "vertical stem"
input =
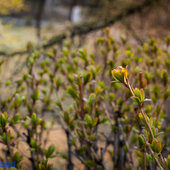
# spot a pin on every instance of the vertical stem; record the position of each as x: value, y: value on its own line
x: 150, y: 130
x: 115, y: 145
x: 32, y: 152
x: 163, y: 161
x: 81, y: 100
x: 143, y: 114
x: 8, y: 144
x: 144, y: 160
x: 70, y: 165
x: 105, y: 60
x: 40, y: 10
x: 121, y: 155
x: 155, y: 157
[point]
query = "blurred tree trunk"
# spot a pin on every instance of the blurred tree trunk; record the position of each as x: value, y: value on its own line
x: 72, y: 4
x: 39, y: 14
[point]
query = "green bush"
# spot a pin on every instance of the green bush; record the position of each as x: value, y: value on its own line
x: 103, y: 108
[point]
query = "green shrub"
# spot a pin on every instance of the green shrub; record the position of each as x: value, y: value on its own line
x: 103, y: 109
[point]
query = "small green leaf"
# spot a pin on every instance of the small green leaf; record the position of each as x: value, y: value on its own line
x: 17, y: 158
x: 66, y: 117
x: 49, y: 151
x: 35, y: 96
x: 142, y: 143
x: 91, y: 100
x: 34, y: 144
x: 88, y: 120
x: 139, y: 96
x: 156, y: 146
x: 72, y: 92
x: 164, y: 76
x: 8, y: 83
x: 34, y: 119
x: 3, y: 119
x: 87, y: 77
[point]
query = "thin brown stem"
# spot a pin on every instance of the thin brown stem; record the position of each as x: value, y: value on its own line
x: 154, y: 157
x: 8, y: 144
x: 144, y: 116
x: 144, y: 158
x: 130, y: 88
x: 163, y: 161
x: 81, y: 100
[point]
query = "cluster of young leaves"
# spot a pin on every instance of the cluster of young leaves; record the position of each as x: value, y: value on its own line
x: 84, y: 93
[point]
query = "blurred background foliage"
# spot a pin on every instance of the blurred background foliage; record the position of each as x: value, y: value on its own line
x: 19, y: 18
x: 12, y: 6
